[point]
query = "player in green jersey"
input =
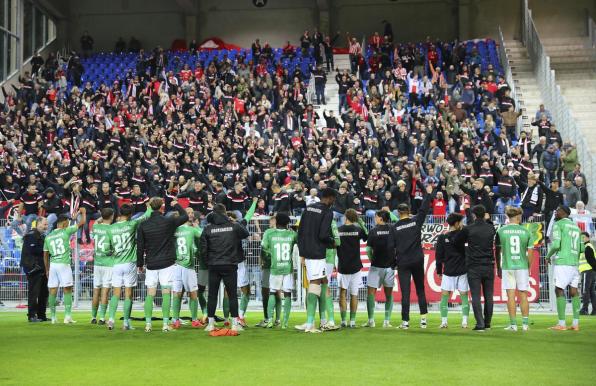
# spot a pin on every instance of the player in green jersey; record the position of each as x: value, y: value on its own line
x: 123, y: 238
x: 57, y: 257
x: 278, y: 244
x: 512, y: 243
x: 567, y: 244
x: 326, y: 312
x: 102, y: 265
x: 187, y: 248
x: 265, y: 261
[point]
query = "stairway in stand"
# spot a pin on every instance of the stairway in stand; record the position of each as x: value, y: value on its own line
x: 331, y: 89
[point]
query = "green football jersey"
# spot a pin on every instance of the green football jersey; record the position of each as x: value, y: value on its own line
x: 279, y: 245
x: 103, y: 247
x: 57, y: 243
x: 566, y: 243
x: 187, y: 245
x: 514, y: 240
x: 123, y: 238
x: 330, y: 253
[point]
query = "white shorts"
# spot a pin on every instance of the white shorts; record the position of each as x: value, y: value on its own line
x: 265, y: 278
x: 281, y: 282
x: 378, y: 277
x: 518, y: 279
x: 329, y: 271
x: 124, y: 275
x: 452, y: 283
x: 315, y: 269
x: 566, y: 275
x: 351, y: 282
x: 184, y: 278
x: 60, y: 275
x: 163, y: 277
x: 242, y: 275
x: 203, y: 277
x: 102, y: 277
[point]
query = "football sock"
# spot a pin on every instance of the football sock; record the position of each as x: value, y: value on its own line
x: 203, y: 302
x: 271, y: 304
x: 352, y: 318
x: 278, y: 305
x: 176, y: 304
x: 323, y: 303
x: 52, y: 304
x: 575, y: 303
x: 165, y: 308
x: 102, y: 311
x: 113, y: 306
x: 148, y: 308
x: 311, y: 307
x: 465, y: 306
x: 330, y: 310
x: 226, y: 308
x: 127, y: 310
x: 265, y: 300
x: 444, y: 307
x: 388, y: 307
x: 94, y: 312
x: 287, y: 303
x: 525, y: 320
x: 343, y: 314
x: 243, y: 304
x: 561, y: 304
x: 193, y: 304
x: 370, y: 306
x: 67, y: 303
x: 513, y: 320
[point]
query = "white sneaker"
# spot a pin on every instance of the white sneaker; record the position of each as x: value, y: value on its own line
x: 525, y: 327
x: 511, y: 328
x: 68, y: 320
x: 237, y: 328
x: 443, y: 325
x: 370, y: 323
x: 329, y: 327
x: 300, y: 327
x: 210, y: 327
x: 54, y: 320
x: 127, y: 327
x: 166, y: 328
x: 110, y: 325
x: 387, y: 324
x: 404, y: 325
x: 148, y: 327
x: 423, y: 323
x: 344, y: 324
x: 464, y: 325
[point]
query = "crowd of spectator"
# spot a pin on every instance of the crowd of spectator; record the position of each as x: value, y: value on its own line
x: 229, y: 130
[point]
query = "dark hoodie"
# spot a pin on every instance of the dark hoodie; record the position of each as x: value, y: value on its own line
x: 221, y: 239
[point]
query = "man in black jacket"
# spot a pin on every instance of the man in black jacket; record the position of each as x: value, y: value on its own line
x: 410, y: 258
x: 314, y: 237
x: 451, y: 268
x: 33, y: 265
x: 156, y: 250
x: 219, y: 245
x: 478, y: 238
x: 350, y: 264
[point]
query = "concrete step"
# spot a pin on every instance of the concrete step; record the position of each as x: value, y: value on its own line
x: 581, y: 66
x: 574, y: 75
x: 573, y: 59
x: 578, y: 92
x: 513, y: 43
x: 570, y: 83
x: 565, y: 40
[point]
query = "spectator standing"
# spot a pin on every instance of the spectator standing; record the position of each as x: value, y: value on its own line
x: 86, y: 44
x: 33, y: 265
x: 587, y: 269
x: 570, y: 193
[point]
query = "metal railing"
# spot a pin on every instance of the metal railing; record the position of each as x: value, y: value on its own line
x: 553, y: 98
x: 591, y: 32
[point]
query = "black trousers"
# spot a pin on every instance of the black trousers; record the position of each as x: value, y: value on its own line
x: 589, y: 290
x: 37, y: 298
x: 405, y: 273
x: 229, y: 275
x: 481, y: 279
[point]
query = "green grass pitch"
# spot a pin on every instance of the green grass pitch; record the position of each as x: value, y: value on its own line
x: 85, y: 354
